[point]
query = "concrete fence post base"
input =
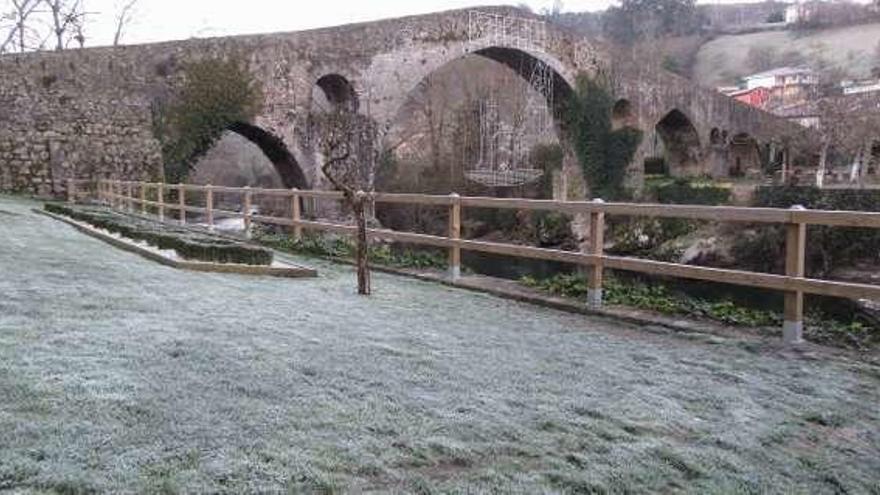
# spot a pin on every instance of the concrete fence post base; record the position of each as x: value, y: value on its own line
x: 594, y: 298
x: 793, y: 332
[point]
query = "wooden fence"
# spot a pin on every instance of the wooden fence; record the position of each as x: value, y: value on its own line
x: 796, y: 220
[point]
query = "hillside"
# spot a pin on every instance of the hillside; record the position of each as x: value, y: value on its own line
x: 853, y: 49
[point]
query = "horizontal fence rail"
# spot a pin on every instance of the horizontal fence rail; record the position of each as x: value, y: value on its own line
x: 793, y: 284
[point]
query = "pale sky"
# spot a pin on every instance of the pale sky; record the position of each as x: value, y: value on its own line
x: 160, y: 20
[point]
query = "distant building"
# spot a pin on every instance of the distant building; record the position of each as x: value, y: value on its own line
x: 816, y: 13
x: 782, y: 77
x: 787, y: 85
x: 800, y: 12
x: 859, y: 87
x: 806, y: 114
x: 757, y: 97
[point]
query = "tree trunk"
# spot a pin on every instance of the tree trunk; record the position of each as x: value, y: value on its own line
x: 823, y: 164
x: 361, y: 251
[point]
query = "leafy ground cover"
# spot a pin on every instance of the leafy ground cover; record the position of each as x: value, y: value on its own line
x: 661, y: 298
x: 341, y: 248
x: 121, y: 375
x: 188, y: 243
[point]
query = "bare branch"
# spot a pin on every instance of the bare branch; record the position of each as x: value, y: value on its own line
x: 18, y: 32
x: 67, y: 15
x: 126, y: 15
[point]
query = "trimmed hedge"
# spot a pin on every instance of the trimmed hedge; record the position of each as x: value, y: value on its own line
x: 187, y: 243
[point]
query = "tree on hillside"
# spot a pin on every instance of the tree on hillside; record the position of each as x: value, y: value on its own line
x: 762, y: 57
x: 633, y: 20
x: 215, y: 94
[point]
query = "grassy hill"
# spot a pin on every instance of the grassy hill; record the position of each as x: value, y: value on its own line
x: 722, y: 60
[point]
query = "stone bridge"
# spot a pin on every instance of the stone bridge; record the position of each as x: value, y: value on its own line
x: 88, y: 113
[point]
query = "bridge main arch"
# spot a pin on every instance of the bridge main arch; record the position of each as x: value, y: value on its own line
x: 530, y: 123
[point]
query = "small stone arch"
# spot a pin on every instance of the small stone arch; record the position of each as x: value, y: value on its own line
x: 680, y: 143
x: 336, y: 92
x: 623, y: 114
x: 715, y: 137
x: 745, y: 155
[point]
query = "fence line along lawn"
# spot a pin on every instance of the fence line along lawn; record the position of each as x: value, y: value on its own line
x: 120, y: 375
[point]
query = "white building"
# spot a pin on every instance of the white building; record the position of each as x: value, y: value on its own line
x: 800, y: 12
x: 859, y: 87
x: 781, y: 78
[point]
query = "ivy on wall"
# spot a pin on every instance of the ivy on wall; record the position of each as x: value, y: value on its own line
x: 604, y: 153
x: 214, y: 95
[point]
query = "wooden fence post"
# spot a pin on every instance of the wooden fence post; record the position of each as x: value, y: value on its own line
x: 160, y: 198
x: 143, y: 198
x: 595, y: 291
x: 455, y: 235
x: 795, y: 266
x: 296, y: 215
x: 248, y: 201
x: 209, y: 206
x: 129, y: 195
x: 71, y: 191
x: 181, y: 197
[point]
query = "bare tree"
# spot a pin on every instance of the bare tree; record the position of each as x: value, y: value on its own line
x: 19, y: 31
x: 123, y: 19
x: 850, y: 126
x: 348, y: 141
x: 68, y: 20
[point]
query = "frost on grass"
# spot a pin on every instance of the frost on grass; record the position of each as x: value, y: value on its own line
x: 117, y: 374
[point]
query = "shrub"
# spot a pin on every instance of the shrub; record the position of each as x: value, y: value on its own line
x: 682, y: 191
x: 215, y: 94
x: 187, y: 243
x: 761, y: 247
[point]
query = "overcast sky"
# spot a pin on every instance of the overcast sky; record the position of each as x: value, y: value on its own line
x: 159, y: 20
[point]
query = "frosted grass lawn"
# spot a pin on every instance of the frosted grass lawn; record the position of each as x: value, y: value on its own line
x: 120, y: 375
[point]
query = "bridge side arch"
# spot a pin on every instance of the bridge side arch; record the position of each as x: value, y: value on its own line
x: 678, y: 143
x: 276, y: 151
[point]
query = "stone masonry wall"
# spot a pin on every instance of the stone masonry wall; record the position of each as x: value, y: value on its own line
x: 48, y: 139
